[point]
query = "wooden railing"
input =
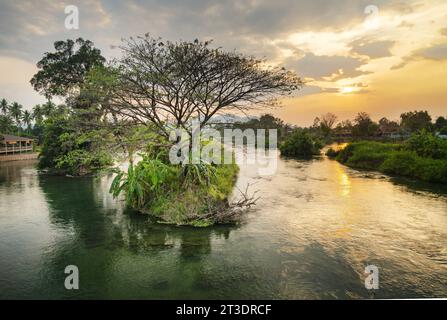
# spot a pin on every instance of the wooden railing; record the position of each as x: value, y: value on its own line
x: 15, y: 149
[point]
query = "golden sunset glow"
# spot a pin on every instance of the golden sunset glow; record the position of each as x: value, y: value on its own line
x: 383, y: 59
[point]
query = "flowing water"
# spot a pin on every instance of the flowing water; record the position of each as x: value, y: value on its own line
x: 314, y: 229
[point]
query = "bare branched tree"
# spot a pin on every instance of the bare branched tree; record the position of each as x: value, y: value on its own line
x: 174, y: 82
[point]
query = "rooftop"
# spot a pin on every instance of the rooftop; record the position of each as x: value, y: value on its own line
x: 10, y: 138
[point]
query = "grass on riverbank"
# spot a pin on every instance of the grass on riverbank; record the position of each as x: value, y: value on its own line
x: 191, y: 194
x: 422, y: 157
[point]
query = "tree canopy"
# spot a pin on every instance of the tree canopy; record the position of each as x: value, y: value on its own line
x: 65, y: 69
x: 413, y: 121
x: 173, y: 82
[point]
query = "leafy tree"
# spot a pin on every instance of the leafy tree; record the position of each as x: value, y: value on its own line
x: 64, y: 70
x: 300, y: 144
x: 440, y: 123
x: 6, y: 124
x: 364, y: 126
x: 4, y: 107
x: 386, y: 125
x: 176, y: 81
x: 16, y: 113
x: 48, y: 109
x: 325, y: 123
x: 425, y: 144
x: 66, y: 150
x: 38, y: 114
x: 266, y: 122
x: 416, y: 120
x: 27, y: 118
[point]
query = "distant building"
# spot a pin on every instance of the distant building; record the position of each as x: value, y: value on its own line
x: 343, y: 133
x: 389, y: 129
x: 10, y: 144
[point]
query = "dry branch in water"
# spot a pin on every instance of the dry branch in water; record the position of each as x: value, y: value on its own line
x: 229, y: 212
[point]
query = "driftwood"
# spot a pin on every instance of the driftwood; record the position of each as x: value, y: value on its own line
x: 229, y: 212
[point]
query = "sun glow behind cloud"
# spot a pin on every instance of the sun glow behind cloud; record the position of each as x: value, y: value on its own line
x: 382, y: 63
x: 406, y: 33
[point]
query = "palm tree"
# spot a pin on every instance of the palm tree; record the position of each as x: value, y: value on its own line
x: 4, y: 106
x: 27, y: 119
x: 48, y: 108
x: 38, y: 114
x: 16, y: 113
x: 6, y: 124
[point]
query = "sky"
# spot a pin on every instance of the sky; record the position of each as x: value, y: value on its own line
x: 382, y: 57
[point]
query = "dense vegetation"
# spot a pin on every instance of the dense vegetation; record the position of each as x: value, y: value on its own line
x: 423, y: 156
x: 188, y: 194
x: 300, y: 143
x: 133, y: 104
x: 70, y: 152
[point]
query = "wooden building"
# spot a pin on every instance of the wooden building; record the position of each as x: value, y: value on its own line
x: 10, y: 144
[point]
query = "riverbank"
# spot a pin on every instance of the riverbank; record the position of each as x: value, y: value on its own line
x: 19, y: 156
x: 411, y: 159
x: 316, y: 226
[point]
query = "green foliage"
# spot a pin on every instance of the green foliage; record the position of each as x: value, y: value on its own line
x: 265, y: 122
x: 6, y: 124
x: 428, y: 145
x: 300, y: 144
x: 144, y: 182
x: 409, y: 164
x: 422, y: 157
x: 66, y: 68
x: 176, y: 194
x: 366, y: 154
x: 201, y: 173
x: 414, y: 121
x: 331, y: 153
x: 440, y: 123
x: 65, y: 150
x: 81, y: 161
x: 364, y: 126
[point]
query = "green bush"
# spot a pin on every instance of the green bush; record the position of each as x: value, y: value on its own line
x: 65, y: 150
x: 331, y: 153
x: 81, y: 162
x: 409, y: 164
x: 425, y: 144
x: 412, y: 159
x: 366, y: 154
x: 300, y: 144
x: 403, y: 163
x: 176, y: 194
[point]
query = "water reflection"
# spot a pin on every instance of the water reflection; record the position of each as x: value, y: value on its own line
x: 117, y: 251
x: 314, y: 229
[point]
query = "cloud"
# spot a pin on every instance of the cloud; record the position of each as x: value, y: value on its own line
x: 324, y: 40
x: 436, y: 52
x: 321, y: 67
x: 374, y: 50
x: 406, y: 24
x: 30, y: 27
x: 444, y: 31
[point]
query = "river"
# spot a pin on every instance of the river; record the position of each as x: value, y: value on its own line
x: 313, y: 231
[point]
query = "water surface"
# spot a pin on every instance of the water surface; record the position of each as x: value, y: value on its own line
x: 315, y: 228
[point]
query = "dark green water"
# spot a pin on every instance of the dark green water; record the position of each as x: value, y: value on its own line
x: 316, y: 227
